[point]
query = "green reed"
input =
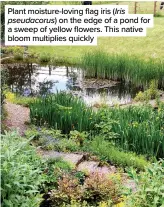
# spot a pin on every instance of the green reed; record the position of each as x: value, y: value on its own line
x: 62, y: 111
x: 99, y: 64
x: 140, y: 129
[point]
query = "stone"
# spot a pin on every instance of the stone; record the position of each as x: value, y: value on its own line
x: 72, y: 158
x: 88, y: 166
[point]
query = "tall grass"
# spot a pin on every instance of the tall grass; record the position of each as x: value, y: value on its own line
x: 62, y: 111
x: 140, y: 129
x: 99, y: 64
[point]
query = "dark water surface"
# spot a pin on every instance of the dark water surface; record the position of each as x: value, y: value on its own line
x: 33, y: 79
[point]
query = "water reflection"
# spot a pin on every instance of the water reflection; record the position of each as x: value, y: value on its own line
x: 32, y: 79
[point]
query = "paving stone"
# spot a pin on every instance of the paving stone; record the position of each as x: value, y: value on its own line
x: 88, y: 166
x: 72, y: 158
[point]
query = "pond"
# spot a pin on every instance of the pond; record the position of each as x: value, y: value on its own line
x: 34, y: 79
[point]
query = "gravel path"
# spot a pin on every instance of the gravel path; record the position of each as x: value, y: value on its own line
x: 16, y: 117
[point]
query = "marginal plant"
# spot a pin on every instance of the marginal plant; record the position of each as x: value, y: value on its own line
x: 99, y: 64
x: 62, y: 111
x: 139, y: 129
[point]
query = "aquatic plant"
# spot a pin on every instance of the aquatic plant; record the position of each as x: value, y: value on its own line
x: 99, y: 64
x: 62, y: 111
x: 139, y: 129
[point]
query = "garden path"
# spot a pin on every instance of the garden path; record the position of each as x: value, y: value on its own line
x: 17, y: 116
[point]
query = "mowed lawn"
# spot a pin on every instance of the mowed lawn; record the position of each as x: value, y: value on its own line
x: 145, y: 47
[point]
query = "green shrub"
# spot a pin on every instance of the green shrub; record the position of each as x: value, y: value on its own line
x: 18, y: 56
x: 95, y: 189
x: 53, y: 169
x: 20, y: 171
x: 44, y: 58
x: 150, y: 93
x: 150, y: 187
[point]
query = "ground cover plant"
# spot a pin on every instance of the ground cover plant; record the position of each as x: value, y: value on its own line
x: 99, y: 64
x: 140, y: 129
x: 62, y: 111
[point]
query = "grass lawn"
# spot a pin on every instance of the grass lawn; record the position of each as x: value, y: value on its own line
x: 150, y: 46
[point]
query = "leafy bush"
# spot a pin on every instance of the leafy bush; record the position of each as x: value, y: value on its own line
x: 96, y: 189
x: 78, y: 137
x: 150, y: 187
x: 149, y: 94
x: 20, y: 171
x: 18, y: 56
x: 102, y: 188
x: 44, y: 58
x: 53, y: 169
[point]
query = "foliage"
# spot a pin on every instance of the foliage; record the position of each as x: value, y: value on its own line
x: 4, y: 77
x: 150, y: 188
x: 151, y: 93
x: 140, y: 129
x: 18, y: 56
x: 20, y: 171
x: 99, y: 64
x: 95, y: 189
x: 68, y: 189
x: 14, y: 50
x: 78, y: 137
x: 53, y: 169
x: 51, y: 139
x: 62, y: 111
x: 105, y: 150
x: 105, y: 127
x: 44, y: 58
x: 17, y: 99
x: 102, y: 188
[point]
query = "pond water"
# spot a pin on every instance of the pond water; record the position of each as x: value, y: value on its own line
x: 33, y: 79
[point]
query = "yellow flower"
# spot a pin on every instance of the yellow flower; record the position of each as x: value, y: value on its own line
x: 10, y: 96
x: 120, y: 205
x: 103, y: 204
